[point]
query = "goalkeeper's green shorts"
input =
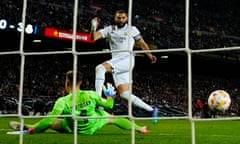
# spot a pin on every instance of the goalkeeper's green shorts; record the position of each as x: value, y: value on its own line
x: 89, y: 128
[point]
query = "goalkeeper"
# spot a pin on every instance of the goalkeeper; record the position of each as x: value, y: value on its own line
x: 86, y: 103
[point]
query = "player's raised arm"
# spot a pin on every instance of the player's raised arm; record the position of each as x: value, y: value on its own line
x: 95, y: 35
x: 143, y: 45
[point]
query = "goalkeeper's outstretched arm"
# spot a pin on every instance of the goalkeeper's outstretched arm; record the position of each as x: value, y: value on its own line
x: 110, y: 93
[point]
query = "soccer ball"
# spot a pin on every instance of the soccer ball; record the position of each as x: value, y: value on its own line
x: 219, y: 100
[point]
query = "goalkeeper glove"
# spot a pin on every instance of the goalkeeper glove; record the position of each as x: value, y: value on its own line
x: 109, y: 90
x: 94, y: 23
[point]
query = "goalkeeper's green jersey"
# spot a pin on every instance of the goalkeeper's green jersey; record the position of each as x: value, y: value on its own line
x: 86, y: 103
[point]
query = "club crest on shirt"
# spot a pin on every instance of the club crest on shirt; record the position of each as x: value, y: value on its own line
x: 125, y: 33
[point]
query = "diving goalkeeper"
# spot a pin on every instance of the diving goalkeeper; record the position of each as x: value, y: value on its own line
x: 86, y: 103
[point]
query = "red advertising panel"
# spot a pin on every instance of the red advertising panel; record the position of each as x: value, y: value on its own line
x: 67, y: 35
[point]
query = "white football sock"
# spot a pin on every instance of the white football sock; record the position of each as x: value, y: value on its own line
x: 136, y: 101
x: 99, y: 78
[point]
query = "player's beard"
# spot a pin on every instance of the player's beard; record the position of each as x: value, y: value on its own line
x: 120, y: 25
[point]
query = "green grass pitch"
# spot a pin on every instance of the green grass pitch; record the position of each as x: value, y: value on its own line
x: 164, y: 132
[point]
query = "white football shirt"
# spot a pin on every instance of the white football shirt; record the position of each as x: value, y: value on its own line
x: 118, y: 38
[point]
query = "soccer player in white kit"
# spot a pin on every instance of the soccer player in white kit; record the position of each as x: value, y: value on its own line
x: 122, y: 61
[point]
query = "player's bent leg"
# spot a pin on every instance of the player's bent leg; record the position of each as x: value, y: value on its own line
x: 99, y: 78
x: 60, y: 125
x: 136, y: 100
x: 140, y: 103
x: 126, y: 124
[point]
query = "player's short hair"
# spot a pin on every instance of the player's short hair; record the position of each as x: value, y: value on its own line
x: 121, y: 11
x: 70, y: 74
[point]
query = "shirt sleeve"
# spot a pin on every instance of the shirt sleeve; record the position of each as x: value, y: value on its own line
x: 105, y: 31
x: 136, y: 33
x: 106, y: 103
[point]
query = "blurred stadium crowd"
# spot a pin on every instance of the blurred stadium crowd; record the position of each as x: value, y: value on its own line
x: 212, y: 24
x: 162, y: 24
x: 44, y: 77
